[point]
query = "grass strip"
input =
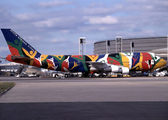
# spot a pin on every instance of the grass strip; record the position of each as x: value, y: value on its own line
x: 6, y: 85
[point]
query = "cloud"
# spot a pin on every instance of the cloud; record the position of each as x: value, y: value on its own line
x: 48, y: 23
x: 26, y: 16
x: 62, y: 23
x: 33, y: 38
x: 65, y: 31
x: 102, y: 20
x: 58, y: 40
x: 2, y: 49
x: 138, y: 1
x: 5, y: 15
x: 53, y: 3
x: 95, y: 10
x: 58, y: 21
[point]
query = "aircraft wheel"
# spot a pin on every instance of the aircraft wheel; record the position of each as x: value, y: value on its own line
x: 66, y: 75
x: 56, y: 76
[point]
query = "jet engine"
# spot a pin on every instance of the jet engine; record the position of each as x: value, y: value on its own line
x: 117, y: 69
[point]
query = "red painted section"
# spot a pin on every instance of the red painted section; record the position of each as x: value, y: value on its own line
x: 112, y: 61
x: 145, y: 63
x: 13, y: 50
x: 36, y: 63
x: 134, y: 59
x: 78, y: 56
x: 64, y: 65
x: 8, y: 57
x: 50, y: 65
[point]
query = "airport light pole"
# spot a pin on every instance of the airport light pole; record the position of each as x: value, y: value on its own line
x: 107, y: 46
x: 132, y: 46
x: 118, y: 42
x: 167, y: 47
x: 82, y: 40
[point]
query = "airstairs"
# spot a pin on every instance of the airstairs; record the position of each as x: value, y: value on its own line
x: 21, y: 71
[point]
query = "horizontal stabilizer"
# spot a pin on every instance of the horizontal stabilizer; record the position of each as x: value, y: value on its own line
x: 20, y: 58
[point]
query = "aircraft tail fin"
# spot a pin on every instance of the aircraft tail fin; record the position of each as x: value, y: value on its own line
x: 17, y: 45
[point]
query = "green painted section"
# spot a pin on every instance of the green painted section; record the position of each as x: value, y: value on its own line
x: 17, y: 45
x: 82, y: 60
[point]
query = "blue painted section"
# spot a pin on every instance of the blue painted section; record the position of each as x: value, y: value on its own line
x: 135, y: 58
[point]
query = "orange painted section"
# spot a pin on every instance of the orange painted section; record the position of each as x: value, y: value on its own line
x: 13, y: 50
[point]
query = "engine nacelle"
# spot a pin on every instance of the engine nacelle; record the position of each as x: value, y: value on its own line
x: 125, y: 70
x: 93, y: 69
x: 117, y: 69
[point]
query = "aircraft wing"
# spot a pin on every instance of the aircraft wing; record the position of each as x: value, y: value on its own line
x: 105, y: 67
x: 98, y: 65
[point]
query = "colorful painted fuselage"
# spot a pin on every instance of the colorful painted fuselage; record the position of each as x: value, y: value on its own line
x: 138, y: 61
x: 22, y: 52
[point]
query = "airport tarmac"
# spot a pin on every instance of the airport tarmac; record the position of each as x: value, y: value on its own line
x: 140, y: 98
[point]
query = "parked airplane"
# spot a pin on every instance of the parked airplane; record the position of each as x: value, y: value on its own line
x: 123, y: 62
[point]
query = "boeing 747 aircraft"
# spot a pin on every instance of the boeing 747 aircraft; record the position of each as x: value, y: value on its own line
x: 123, y: 62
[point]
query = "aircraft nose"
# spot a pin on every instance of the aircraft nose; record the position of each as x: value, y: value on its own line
x: 161, y: 63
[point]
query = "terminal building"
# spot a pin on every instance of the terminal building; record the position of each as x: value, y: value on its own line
x: 16, y: 68
x: 9, y: 67
x: 157, y: 45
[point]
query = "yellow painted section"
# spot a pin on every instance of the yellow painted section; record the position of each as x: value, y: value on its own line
x: 93, y: 57
x: 126, y: 75
x: 125, y: 60
x: 31, y: 62
x: 50, y: 65
x: 161, y: 63
x: 31, y: 54
x: 139, y: 64
x: 122, y: 76
x: 59, y: 56
x: 113, y: 75
x: 75, y: 65
x: 43, y: 57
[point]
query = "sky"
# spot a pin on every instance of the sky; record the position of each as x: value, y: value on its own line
x: 54, y: 26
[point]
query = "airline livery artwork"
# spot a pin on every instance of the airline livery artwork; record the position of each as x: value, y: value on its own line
x: 123, y: 62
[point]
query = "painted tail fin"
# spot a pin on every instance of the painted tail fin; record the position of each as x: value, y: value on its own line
x: 17, y: 45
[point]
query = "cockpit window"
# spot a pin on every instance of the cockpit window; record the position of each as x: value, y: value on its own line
x: 156, y: 58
